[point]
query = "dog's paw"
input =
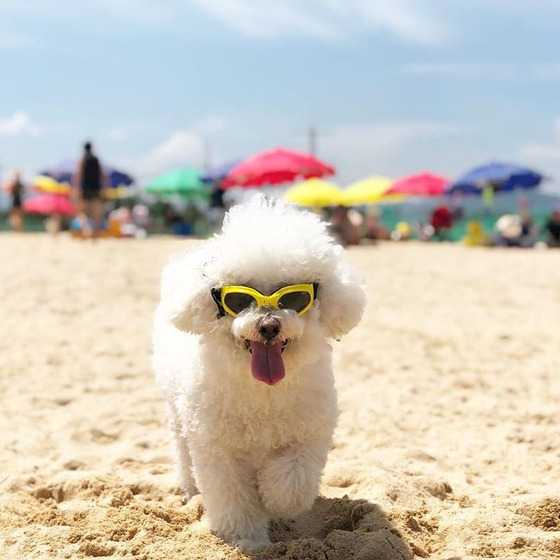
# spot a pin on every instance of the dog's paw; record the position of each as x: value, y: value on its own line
x: 287, y: 488
x: 188, y: 493
x: 254, y: 542
x: 251, y: 545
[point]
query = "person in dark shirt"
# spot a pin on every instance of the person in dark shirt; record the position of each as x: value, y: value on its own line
x: 552, y: 230
x: 16, y: 188
x: 89, y: 183
x: 218, y: 207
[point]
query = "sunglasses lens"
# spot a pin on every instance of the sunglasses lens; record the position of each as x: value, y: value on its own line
x: 238, y: 302
x: 296, y: 301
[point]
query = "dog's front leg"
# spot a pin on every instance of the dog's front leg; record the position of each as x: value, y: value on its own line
x: 289, y: 479
x: 229, y: 494
x: 184, y: 468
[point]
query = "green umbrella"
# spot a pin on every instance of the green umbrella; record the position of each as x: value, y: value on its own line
x: 185, y: 182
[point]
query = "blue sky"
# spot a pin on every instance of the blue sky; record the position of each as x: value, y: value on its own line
x: 394, y: 86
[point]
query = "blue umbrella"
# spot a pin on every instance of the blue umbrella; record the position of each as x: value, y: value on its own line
x: 218, y: 174
x: 503, y: 177
x: 65, y: 170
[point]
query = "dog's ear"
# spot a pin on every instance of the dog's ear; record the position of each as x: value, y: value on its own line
x: 342, y: 300
x: 186, y: 299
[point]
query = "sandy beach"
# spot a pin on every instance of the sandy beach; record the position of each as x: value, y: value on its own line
x: 448, y: 440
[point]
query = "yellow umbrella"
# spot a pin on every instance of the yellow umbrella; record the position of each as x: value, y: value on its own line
x: 314, y: 193
x: 119, y: 192
x: 45, y: 183
x: 370, y: 191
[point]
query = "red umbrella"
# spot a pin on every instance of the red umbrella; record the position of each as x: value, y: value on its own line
x: 49, y: 203
x: 420, y: 184
x: 274, y: 167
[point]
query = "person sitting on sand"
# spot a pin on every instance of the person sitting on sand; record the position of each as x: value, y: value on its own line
x: 509, y: 231
x: 442, y: 221
x: 475, y: 235
x: 374, y: 227
x: 528, y: 230
x: 342, y: 227
x: 402, y: 232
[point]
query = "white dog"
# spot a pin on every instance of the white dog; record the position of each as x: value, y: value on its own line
x: 242, y: 353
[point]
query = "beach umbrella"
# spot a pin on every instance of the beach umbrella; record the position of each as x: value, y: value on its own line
x: 120, y: 192
x: 186, y: 182
x: 49, y: 203
x: 502, y: 177
x: 420, y: 184
x: 218, y: 174
x: 274, y: 167
x: 372, y: 190
x: 314, y: 193
x: 44, y: 183
x: 65, y: 170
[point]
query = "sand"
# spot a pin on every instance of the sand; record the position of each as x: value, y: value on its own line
x: 448, y: 445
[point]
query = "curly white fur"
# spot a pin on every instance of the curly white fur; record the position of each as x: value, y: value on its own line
x: 255, y: 451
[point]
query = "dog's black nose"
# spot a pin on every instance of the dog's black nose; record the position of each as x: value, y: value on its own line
x: 269, y: 327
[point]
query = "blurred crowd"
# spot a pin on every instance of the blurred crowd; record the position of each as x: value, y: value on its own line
x: 352, y: 227
x: 96, y: 216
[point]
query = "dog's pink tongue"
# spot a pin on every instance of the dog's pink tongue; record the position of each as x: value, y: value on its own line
x: 266, y: 362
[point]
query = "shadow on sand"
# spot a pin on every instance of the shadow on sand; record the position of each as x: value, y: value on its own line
x: 337, y: 529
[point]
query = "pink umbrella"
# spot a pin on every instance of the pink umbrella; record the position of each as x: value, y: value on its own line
x: 420, y: 184
x: 49, y: 203
x: 274, y: 167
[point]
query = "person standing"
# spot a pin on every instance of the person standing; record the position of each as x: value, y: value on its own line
x: 89, y: 182
x: 16, y: 190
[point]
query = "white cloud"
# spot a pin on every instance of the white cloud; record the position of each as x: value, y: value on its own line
x: 367, y: 150
x: 403, y: 19
x: 270, y: 18
x: 424, y: 22
x: 545, y: 157
x: 17, y: 124
x: 409, y: 20
x: 181, y: 149
x: 541, y: 153
x: 118, y: 133
x: 546, y: 72
x: 330, y: 19
x: 142, y: 11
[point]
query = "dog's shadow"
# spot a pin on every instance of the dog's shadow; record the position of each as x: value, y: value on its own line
x: 337, y: 529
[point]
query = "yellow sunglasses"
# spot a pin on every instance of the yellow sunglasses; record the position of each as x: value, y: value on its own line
x: 235, y: 299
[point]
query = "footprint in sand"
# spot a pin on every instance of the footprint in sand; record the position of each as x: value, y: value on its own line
x: 337, y: 529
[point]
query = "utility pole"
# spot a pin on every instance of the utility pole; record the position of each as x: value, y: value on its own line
x: 207, y: 157
x: 312, y: 140
x: 313, y: 134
